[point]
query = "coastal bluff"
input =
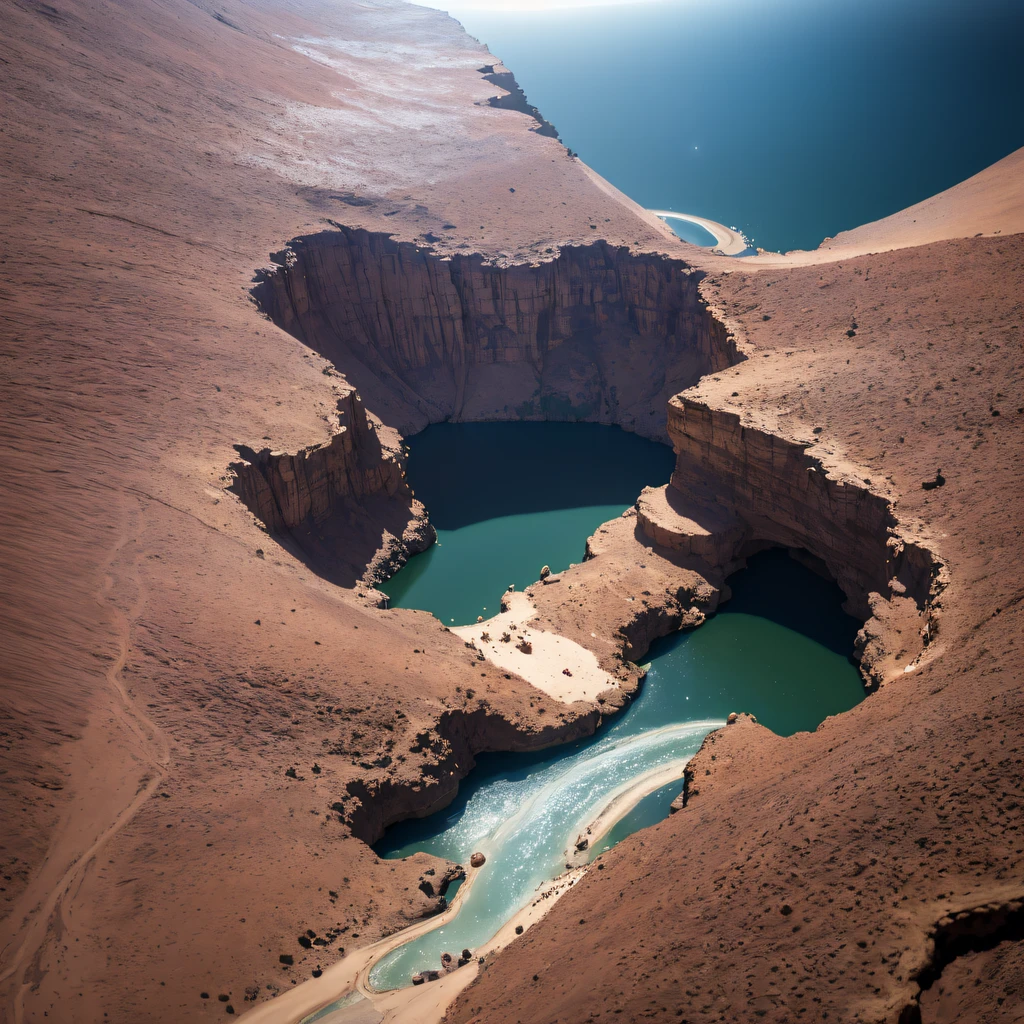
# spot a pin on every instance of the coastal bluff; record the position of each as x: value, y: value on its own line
x: 206, y: 715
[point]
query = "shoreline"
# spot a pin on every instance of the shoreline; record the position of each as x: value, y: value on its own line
x: 730, y: 242
x: 428, y: 1003
x: 623, y: 800
x: 551, y: 654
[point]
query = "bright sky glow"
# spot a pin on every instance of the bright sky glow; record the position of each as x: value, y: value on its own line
x: 453, y: 7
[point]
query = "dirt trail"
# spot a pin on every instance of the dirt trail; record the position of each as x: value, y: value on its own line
x: 145, y: 751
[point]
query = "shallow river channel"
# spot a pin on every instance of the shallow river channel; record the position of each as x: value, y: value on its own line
x: 507, y: 498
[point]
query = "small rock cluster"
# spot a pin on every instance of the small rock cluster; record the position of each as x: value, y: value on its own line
x: 448, y: 964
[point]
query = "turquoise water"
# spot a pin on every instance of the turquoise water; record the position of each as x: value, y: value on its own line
x: 690, y: 232
x: 791, y: 119
x: 503, y: 507
x: 779, y: 649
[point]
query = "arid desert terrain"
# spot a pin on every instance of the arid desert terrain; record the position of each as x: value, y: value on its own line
x: 249, y: 246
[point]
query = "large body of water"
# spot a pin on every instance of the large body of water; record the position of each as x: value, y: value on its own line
x: 790, y: 119
x: 779, y: 649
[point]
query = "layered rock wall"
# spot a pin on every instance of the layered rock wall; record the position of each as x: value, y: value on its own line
x: 781, y: 494
x: 449, y: 751
x: 286, y: 489
x: 595, y: 334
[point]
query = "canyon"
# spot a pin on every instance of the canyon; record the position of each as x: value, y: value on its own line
x: 206, y: 712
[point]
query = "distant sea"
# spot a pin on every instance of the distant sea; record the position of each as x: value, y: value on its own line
x: 792, y: 120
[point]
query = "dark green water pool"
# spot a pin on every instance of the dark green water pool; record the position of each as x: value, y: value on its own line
x: 779, y: 649
x: 509, y: 498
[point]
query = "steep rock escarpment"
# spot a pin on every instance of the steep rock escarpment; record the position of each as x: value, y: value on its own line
x: 446, y: 755
x: 344, y: 501
x: 742, y: 487
x: 514, y: 98
x: 595, y: 334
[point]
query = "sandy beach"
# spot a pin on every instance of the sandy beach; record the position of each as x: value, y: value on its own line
x: 729, y: 241
x: 549, y: 655
x: 427, y: 1004
x: 424, y: 1004
x: 623, y: 800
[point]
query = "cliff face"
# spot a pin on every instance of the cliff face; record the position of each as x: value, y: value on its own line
x: 743, y: 487
x: 595, y: 334
x: 285, y: 489
x: 344, y: 501
x: 445, y: 754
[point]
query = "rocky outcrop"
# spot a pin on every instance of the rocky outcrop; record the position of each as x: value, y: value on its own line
x: 447, y: 754
x: 514, y: 98
x: 595, y: 334
x: 672, y: 521
x: 779, y: 493
x: 284, y: 489
x: 354, y: 479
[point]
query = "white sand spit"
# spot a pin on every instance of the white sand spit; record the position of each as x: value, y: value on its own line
x: 549, y: 653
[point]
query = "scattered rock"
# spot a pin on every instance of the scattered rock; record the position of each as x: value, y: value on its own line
x: 733, y: 717
x: 545, y: 572
x: 582, y: 844
x: 467, y: 955
x: 566, y: 672
x: 418, y: 979
x: 477, y: 860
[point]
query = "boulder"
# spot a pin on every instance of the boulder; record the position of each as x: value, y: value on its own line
x: 477, y: 860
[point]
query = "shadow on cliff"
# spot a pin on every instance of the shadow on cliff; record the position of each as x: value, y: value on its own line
x: 596, y: 333
x: 470, y: 472
x: 353, y: 546
x: 342, y: 507
x: 794, y: 590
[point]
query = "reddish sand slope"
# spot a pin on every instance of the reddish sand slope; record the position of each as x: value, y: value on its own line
x: 165, y: 662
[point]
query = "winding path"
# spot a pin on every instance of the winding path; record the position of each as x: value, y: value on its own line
x: 42, y: 906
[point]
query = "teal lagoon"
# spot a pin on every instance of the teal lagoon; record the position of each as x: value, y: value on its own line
x: 509, y: 498
x: 778, y: 649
